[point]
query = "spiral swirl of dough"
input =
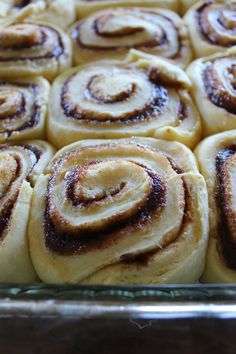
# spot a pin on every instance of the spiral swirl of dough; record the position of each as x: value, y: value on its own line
x: 112, y: 32
x: 212, y: 26
x: 142, y: 96
x: 23, y: 109
x: 217, y: 159
x: 213, y: 80
x: 20, y: 165
x: 120, y: 211
x: 32, y: 49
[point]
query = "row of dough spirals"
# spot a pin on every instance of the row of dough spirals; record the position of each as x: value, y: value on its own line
x: 124, y: 200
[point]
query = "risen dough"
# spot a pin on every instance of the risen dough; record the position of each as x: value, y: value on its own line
x: 142, y: 95
x: 129, y: 211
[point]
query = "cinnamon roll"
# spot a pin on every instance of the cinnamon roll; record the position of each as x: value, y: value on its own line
x: 212, y: 26
x: 58, y: 12
x: 32, y: 49
x: 112, y: 32
x: 213, y: 80
x: 128, y: 211
x: 142, y: 96
x: 217, y: 160
x: 20, y: 165
x: 86, y: 7
x: 23, y: 109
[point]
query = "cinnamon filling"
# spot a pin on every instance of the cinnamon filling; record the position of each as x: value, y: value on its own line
x: 80, y: 241
x: 10, y: 172
x: 154, y: 106
x: 13, y: 106
x: 19, y: 36
x: 14, y: 169
x: 107, y: 26
x: 214, y: 22
x: 221, y: 94
x: 227, y: 221
x: 143, y: 259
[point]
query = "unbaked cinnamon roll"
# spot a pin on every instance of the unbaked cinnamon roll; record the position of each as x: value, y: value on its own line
x: 212, y: 26
x: 142, y: 95
x: 129, y: 211
x: 32, y: 49
x: 20, y: 165
x: 59, y: 12
x: 112, y: 32
x: 213, y: 80
x: 86, y: 7
x: 23, y: 109
x: 217, y: 159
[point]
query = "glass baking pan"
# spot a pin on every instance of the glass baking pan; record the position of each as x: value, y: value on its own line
x: 101, y: 319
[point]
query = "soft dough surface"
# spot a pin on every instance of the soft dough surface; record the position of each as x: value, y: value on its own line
x: 217, y: 159
x: 20, y: 166
x: 112, y: 32
x: 23, y: 109
x: 129, y: 211
x: 29, y: 48
x: 142, y: 95
x: 59, y: 12
x: 213, y: 89
x: 211, y: 26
